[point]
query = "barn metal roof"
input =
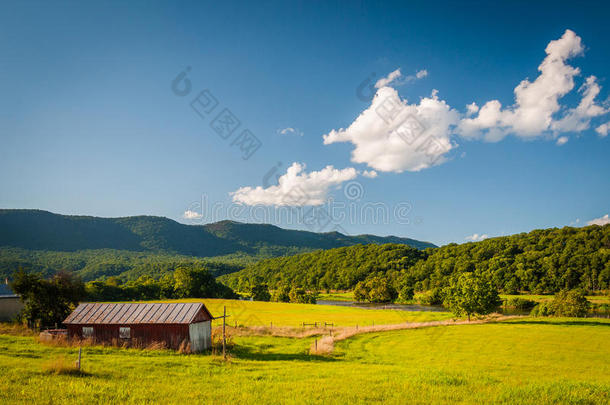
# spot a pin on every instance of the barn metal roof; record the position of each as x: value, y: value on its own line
x: 162, y: 313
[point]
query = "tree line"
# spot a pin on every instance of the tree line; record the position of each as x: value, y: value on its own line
x: 540, y: 262
x: 49, y: 300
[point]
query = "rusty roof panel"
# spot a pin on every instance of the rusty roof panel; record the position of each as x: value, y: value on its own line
x: 165, y: 315
x: 137, y: 310
x: 121, y: 314
x: 110, y: 314
x: 157, y: 317
x: 190, y: 313
x: 130, y: 313
x: 174, y: 314
x: 87, y: 312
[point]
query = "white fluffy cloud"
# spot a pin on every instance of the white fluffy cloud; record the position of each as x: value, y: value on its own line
x: 394, y: 136
x: 562, y: 140
x: 605, y: 220
x: 188, y: 214
x: 371, y: 174
x: 289, y: 131
x: 418, y: 136
x: 603, y: 129
x: 388, y: 79
x: 475, y: 237
x: 396, y: 78
x: 579, y: 118
x: 296, y: 187
x: 536, y: 102
x: 421, y: 74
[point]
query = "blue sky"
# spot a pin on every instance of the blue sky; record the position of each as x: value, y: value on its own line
x: 89, y: 123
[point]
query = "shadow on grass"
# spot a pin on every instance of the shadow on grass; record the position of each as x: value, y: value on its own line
x: 551, y: 322
x: 75, y: 373
x: 246, y: 353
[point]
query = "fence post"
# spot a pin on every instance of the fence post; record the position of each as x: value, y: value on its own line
x: 79, y: 357
x: 224, y: 336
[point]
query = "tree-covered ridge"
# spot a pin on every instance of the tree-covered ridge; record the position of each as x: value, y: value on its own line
x: 541, y: 261
x: 42, y: 230
x: 340, y: 268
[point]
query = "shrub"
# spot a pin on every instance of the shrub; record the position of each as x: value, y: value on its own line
x: 300, y: 296
x: 572, y: 303
x: 375, y: 289
x: 520, y: 303
x: 542, y: 309
x: 432, y: 297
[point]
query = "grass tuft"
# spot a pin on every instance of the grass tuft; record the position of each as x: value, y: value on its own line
x: 61, y: 366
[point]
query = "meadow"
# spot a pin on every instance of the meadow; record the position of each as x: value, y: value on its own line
x: 257, y: 313
x: 524, y: 361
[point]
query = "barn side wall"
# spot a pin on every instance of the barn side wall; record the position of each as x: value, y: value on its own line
x: 142, y: 335
x: 200, y: 336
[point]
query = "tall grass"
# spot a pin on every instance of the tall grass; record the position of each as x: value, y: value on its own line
x: 61, y: 366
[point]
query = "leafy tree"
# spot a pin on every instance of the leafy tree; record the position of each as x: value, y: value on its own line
x: 281, y: 294
x: 406, y: 289
x: 47, y: 302
x: 375, y: 289
x: 260, y: 292
x: 469, y: 295
x: 572, y: 303
x: 300, y: 296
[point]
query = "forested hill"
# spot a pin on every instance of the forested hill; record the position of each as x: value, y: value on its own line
x: 144, y: 245
x: 42, y: 230
x: 541, y: 261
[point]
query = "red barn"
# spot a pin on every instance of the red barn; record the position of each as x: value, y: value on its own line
x: 170, y: 324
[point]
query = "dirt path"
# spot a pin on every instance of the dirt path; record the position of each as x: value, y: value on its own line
x: 325, y: 344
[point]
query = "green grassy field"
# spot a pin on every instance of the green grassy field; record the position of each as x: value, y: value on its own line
x: 524, y: 361
x: 257, y: 313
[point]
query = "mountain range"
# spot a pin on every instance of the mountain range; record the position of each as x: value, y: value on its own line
x: 43, y: 230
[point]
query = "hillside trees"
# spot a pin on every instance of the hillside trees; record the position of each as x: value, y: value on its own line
x: 542, y: 262
x: 185, y: 282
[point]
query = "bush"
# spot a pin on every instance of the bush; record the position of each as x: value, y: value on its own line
x: 542, y: 309
x: 569, y: 303
x: 572, y: 303
x: 520, y: 303
x: 375, y: 289
x: 432, y: 297
x: 300, y: 296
